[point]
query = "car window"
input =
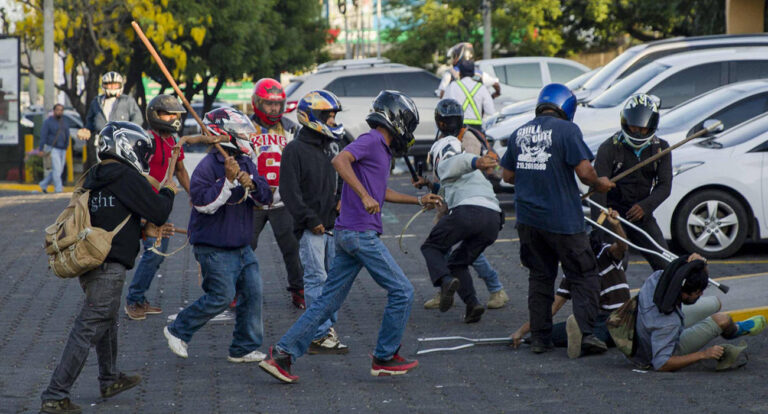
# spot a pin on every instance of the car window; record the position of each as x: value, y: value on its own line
x: 414, y: 84
x: 650, y: 57
x: 560, y: 73
x: 741, y: 111
x: 357, y: 85
x: 520, y: 75
x: 741, y: 134
x: 694, y: 109
x: 618, y: 93
x: 747, y: 70
x: 602, y: 76
x: 688, y: 83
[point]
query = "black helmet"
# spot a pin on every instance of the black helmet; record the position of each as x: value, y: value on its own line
x: 166, y: 103
x: 461, y: 51
x: 449, y: 117
x: 642, y: 111
x: 398, y: 114
x: 125, y: 142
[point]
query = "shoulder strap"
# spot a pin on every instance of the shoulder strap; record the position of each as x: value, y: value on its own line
x: 618, y: 155
x: 120, y: 226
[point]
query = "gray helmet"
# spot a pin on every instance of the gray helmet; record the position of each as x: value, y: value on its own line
x: 112, y: 77
x: 165, y: 103
x: 125, y: 142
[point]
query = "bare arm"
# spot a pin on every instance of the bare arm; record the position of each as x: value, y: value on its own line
x: 343, y: 165
x: 393, y: 196
x: 182, y: 175
x: 588, y: 176
x: 675, y: 363
x: 517, y: 337
x: 508, y: 176
x: 618, y: 248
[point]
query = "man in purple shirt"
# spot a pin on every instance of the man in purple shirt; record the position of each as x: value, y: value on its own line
x: 364, y: 166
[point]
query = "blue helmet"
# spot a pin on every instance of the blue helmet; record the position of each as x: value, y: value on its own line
x: 558, y: 98
x: 313, y: 110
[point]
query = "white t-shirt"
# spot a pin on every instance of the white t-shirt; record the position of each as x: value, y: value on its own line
x: 267, y: 153
x: 483, y: 98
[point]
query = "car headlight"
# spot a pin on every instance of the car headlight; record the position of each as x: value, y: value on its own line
x: 681, y: 168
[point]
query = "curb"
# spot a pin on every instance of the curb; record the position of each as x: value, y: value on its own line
x: 32, y: 188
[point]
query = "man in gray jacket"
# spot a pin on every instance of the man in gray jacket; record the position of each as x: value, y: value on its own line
x: 111, y: 106
x: 473, y: 222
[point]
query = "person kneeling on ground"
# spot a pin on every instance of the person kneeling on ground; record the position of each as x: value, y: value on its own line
x: 664, y: 343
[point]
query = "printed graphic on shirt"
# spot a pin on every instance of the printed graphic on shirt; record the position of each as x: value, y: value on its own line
x: 100, y: 201
x: 534, y: 144
x: 269, y: 152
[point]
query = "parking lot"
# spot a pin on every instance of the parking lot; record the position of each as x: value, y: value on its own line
x: 37, y: 310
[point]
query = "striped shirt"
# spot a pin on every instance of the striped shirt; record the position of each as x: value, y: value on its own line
x: 614, y: 290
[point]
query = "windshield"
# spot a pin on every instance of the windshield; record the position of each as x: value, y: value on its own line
x: 684, y: 113
x: 579, y: 81
x: 618, y: 93
x: 291, y: 88
x: 609, y: 70
x: 739, y: 134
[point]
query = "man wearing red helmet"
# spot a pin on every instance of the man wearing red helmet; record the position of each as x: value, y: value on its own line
x: 274, y: 133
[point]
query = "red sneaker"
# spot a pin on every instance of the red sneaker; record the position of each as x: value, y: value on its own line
x: 395, y: 366
x: 278, y: 365
x: 297, y: 298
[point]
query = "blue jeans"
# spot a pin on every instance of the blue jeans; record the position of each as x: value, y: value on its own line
x: 353, y: 251
x: 226, y: 272
x: 145, y: 271
x: 316, y: 253
x: 484, y: 271
x: 57, y: 167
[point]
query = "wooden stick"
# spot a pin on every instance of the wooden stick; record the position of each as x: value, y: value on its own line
x: 656, y: 156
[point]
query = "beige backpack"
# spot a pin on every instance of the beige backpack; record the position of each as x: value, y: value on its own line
x: 73, y: 245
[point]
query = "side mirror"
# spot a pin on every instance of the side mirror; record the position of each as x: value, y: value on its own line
x: 709, y: 123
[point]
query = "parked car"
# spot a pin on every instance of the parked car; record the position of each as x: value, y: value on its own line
x: 521, y: 78
x: 358, y: 82
x: 730, y: 104
x: 717, y: 200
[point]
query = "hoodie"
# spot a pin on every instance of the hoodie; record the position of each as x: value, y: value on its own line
x: 309, y: 184
x: 118, y: 190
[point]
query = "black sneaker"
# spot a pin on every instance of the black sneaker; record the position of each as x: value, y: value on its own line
x: 397, y: 365
x: 590, y: 344
x: 123, y: 383
x: 474, y: 312
x: 447, y: 289
x: 540, y: 346
x: 278, y: 365
x: 64, y: 406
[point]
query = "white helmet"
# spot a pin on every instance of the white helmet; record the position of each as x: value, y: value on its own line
x: 443, y: 148
x: 112, y: 77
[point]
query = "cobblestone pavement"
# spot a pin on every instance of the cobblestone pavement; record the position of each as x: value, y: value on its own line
x: 37, y: 311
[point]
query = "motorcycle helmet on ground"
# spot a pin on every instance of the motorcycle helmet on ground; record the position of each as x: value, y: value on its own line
x: 268, y: 90
x: 125, y: 142
x: 395, y: 112
x: 640, y: 119
x: 449, y: 117
x: 233, y: 124
x: 442, y: 149
x: 164, y: 103
x: 461, y: 51
x: 314, y: 109
x: 112, y: 78
x: 558, y: 98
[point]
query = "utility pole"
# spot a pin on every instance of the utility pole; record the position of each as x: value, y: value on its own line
x: 486, y: 29
x: 378, y: 29
x: 50, y: 93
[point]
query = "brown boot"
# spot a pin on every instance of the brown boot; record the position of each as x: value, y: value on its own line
x: 64, y: 406
x: 151, y: 310
x: 135, y: 312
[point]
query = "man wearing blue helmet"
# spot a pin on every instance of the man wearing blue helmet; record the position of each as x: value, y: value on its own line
x: 541, y: 159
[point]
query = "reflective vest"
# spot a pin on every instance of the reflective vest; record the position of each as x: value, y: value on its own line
x: 470, y: 100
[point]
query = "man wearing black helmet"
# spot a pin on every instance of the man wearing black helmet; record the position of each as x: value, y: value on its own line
x: 119, y: 197
x: 364, y: 166
x: 540, y: 161
x: 639, y: 194
x: 164, y: 118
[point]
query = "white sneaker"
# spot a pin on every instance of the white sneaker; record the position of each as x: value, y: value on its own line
x: 253, y: 356
x: 225, y: 316
x: 178, y: 346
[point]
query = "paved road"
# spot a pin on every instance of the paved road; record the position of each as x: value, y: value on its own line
x: 37, y: 310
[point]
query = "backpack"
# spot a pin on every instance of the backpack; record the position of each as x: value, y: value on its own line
x: 621, y: 326
x: 73, y: 245
x: 618, y: 155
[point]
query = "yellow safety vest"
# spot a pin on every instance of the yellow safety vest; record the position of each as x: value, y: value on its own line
x: 470, y: 100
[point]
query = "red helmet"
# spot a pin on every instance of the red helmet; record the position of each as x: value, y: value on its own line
x: 268, y: 90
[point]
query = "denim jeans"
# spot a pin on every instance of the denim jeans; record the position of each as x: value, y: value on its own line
x: 355, y: 250
x: 226, y: 272
x: 96, y: 326
x: 57, y: 167
x: 145, y: 271
x: 486, y: 272
x: 316, y: 252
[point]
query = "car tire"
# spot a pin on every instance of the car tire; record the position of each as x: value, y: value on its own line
x: 712, y: 223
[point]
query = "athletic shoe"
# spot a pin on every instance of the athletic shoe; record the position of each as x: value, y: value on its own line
x: 135, y: 312
x: 225, y: 316
x: 539, y: 346
x: 151, y: 310
x: 590, y: 344
x: 297, y: 298
x: 734, y: 356
x: 330, y: 345
x: 473, y: 313
x: 253, y: 356
x: 751, y: 326
x: 447, y: 289
x: 497, y: 300
x: 397, y: 365
x: 123, y: 383
x: 573, y: 332
x: 278, y: 365
x: 64, y: 406
x: 177, y: 346
x: 433, y: 303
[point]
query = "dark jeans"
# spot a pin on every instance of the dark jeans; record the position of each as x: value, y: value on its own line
x: 474, y: 228
x: 96, y: 326
x: 541, y: 252
x: 600, y: 330
x: 649, y: 225
x: 145, y: 271
x: 282, y: 227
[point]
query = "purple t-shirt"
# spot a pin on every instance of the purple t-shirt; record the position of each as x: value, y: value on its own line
x: 371, y: 166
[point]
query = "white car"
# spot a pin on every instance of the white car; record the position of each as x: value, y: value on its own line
x: 717, y: 200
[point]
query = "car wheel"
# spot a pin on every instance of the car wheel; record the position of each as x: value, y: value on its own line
x: 712, y: 223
